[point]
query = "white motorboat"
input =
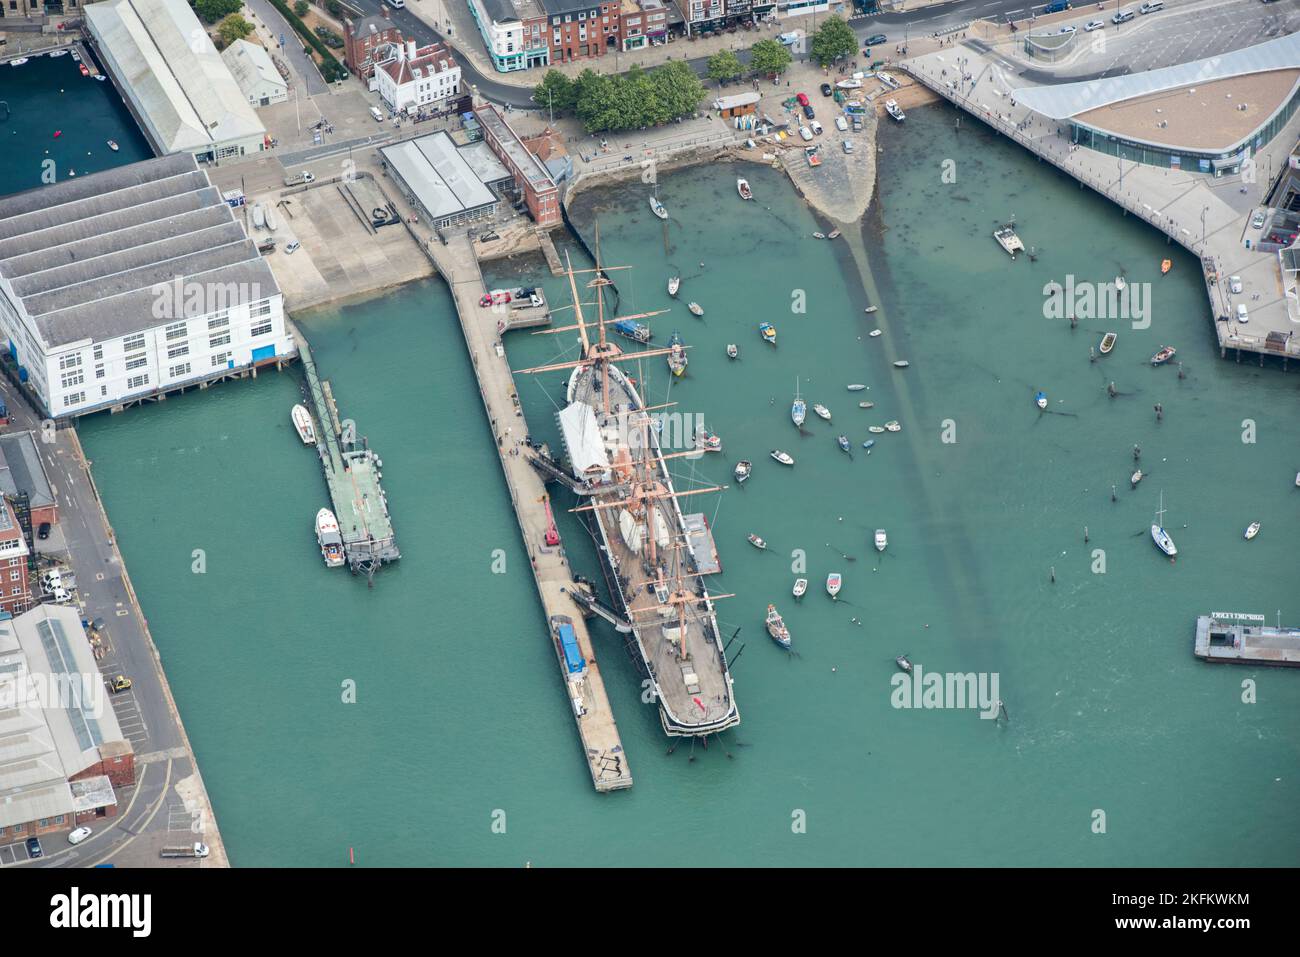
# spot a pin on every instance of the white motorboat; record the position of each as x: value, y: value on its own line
x: 870, y: 309
x: 903, y: 662
x: 695, y: 308
x: 733, y: 351
x: 850, y: 83
x: 18, y: 62
x: 302, y: 422
x: 876, y: 429
x: 329, y: 539
x: 742, y: 187
x: 833, y: 583
x: 1163, y: 540
x: 1008, y: 240
x: 901, y: 364
x: 866, y: 405
x: 800, y: 586
x: 822, y: 411
x: 743, y: 468
x: 894, y: 110
x: 1252, y: 530
x: 882, y: 540
x: 55, y: 53
x: 658, y: 208
x: 674, y: 283
x: 782, y: 457
x: 875, y: 333
x: 893, y: 426
x: 1135, y: 478
x: 757, y: 542
x: 1040, y: 400
x: 113, y: 146
x: 856, y: 387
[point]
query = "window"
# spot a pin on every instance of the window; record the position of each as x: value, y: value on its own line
x: 103, y: 390
x: 17, y: 591
x: 99, y: 353
x: 220, y: 359
x: 69, y: 379
x: 136, y: 381
x: 14, y: 561
x: 220, y: 340
x: 99, y: 372
x: 182, y: 369
x: 133, y: 342
x: 70, y: 361
x: 259, y: 309
x: 175, y: 352
x: 74, y: 398
x: 60, y: 819
x: 136, y: 361
x: 175, y: 331
x: 260, y: 329
x: 16, y: 575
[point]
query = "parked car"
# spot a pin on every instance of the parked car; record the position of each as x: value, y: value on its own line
x: 841, y: 124
x: 119, y: 684
x: 1234, y: 284
x: 1124, y: 16
x: 876, y: 38
x: 1151, y: 7
x: 1242, y: 315
x: 1093, y: 25
x: 805, y: 133
x: 79, y: 835
x: 816, y: 128
x: 1257, y: 221
x: 848, y: 146
x: 808, y: 112
x: 802, y: 98
x: 34, y: 848
x: 826, y: 90
x: 43, y: 532
x: 293, y: 247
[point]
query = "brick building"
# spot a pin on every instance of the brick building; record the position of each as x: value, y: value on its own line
x: 642, y: 23
x: 15, y: 585
x: 531, y: 177
x: 362, y: 39
x: 581, y: 29
x: 23, y: 472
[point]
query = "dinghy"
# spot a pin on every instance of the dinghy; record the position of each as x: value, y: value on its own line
x: 856, y: 387
x: 742, y: 187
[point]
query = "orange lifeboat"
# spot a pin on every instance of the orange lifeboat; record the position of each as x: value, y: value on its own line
x: 1166, y: 265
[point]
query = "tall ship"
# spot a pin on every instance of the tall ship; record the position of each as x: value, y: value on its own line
x: 655, y: 558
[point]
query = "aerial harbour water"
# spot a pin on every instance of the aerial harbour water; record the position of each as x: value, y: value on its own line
x: 458, y: 715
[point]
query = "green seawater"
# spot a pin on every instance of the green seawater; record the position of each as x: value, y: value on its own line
x: 460, y: 715
x: 48, y: 95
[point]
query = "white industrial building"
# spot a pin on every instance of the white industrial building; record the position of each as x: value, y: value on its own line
x: 447, y: 184
x: 174, y: 80
x: 258, y: 79
x: 409, y: 78
x: 132, y: 282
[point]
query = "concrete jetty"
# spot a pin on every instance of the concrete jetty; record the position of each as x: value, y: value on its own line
x: 602, y: 748
x: 352, y: 475
x: 1243, y: 639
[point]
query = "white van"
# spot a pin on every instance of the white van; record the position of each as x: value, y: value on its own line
x: 379, y: 117
x: 397, y: 3
x: 1151, y: 6
x: 1242, y: 316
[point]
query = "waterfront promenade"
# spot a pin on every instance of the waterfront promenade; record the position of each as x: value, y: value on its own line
x: 1208, y: 216
x: 602, y: 747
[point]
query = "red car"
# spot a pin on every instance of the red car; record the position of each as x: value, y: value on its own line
x: 802, y: 98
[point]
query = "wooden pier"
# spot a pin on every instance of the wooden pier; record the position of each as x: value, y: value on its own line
x: 352, y: 475
x: 597, y: 729
x: 1242, y: 639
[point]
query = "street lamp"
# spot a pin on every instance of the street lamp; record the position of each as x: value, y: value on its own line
x: 1204, y: 210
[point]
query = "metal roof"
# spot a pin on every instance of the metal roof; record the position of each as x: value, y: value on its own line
x: 251, y: 67
x: 438, y: 175
x: 21, y: 469
x: 1069, y: 99
x: 82, y: 258
x: 172, y: 73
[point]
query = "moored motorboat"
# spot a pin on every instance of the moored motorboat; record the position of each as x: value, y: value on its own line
x: 868, y: 445
x: 901, y: 364
x: 1163, y: 540
x: 782, y: 457
x: 1166, y: 265
x: 1135, y: 478
x: 895, y: 111
x: 757, y: 542
x: 833, y: 234
x: 329, y: 539
x: 1120, y: 284
x: 55, y: 53
x: 19, y: 61
x: 733, y: 350
x: 674, y: 283
x: 833, y: 583
x: 113, y: 146
x: 870, y: 309
x: 822, y: 411
x: 1040, y: 400
x: 843, y: 440
x: 876, y: 429
x: 1252, y: 530
x: 856, y: 387
x: 302, y: 422
x: 1164, y: 355
x: 695, y: 308
x: 819, y: 235
x: 800, y: 586
x: 742, y: 187
x: 882, y: 540
x: 742, y: 470
x: 1108, y: 343
x: 903, y: 662
x: 866, y: 405
x: 875, y: 333
x: 776, y: 627
x: 893, y: 426
x: 636, y: 331
x: 677, y: 357
x: 768, y: 332
x: 658, y: 208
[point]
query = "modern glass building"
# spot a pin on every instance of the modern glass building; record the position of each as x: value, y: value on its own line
x: 1206, y: 116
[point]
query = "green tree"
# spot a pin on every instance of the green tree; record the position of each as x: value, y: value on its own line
x: 833, y: 40
x: 214, y: 11
x: 334, y: 7
x: 301, y: 7
x: 769, y: 57
x: 680, y: 90
x: 557, y: 92
x: 233, y: 28
x: 724, y: 65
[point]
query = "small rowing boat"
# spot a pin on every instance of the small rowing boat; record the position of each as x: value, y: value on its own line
x: 843, y: 440
x: 743, y: 468
x: 1164, y: 355
x: 757, y: 542
x: 1134, y: 479
x: 776, y: 627
x: 1252, y: 530
x: 768, y: 332
x: 866, y: 405
x: 901, y: 364
x: 870, y: 309
x: 868, y: 445
x: 822, y: 411
x: 856, y: 387
x: 1108, y: 343
x: 1040, y: 400
x: 782, y: 457
x: 742, y: 187
x: 800, y: 586
x: 833, y: 583
x: 732, y: 350
x: 903, y: 663
x: 695, y: 308
x: 674, y: 283
x: 1166, y: 265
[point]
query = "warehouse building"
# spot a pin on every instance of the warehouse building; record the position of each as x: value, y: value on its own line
x: 252, y: 68
x: 174, y: 81
x: 130, y: 283
x: 62, y: 751
x: 439, y: 181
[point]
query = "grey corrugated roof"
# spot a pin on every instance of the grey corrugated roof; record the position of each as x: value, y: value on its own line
x: 21, y: 469
x: 438, y: 175
x: 1069, y: 99
x: 85, y: 262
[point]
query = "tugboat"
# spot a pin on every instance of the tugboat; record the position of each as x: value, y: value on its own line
x: 768, y: 332
x: 743, y: 468
x: 782, y: 457
x: 677, y: 357
x: 733, y: 351
x: 776, y: 627
x: 329, y: 539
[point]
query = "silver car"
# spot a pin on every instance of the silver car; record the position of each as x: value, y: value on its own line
x: 1257, y: 222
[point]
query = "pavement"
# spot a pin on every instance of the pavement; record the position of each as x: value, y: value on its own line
x: 147, y: 712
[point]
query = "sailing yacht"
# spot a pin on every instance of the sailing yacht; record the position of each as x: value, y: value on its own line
x: 1163, y: 540
x: 798, y: 408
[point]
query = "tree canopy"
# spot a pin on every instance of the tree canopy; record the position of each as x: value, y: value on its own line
x: 724, y: 65
x: 625, y: 101
x: 833, y: 40
x: 232, y: 28
x: 556, y: 91
x: 213, y: 11
x: 768, y: 57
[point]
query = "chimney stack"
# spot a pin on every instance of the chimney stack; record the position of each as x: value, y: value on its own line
x: 410, y: 49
